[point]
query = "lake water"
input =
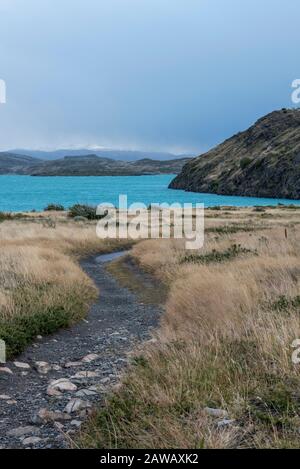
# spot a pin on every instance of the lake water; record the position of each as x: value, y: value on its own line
x: 25, y: 193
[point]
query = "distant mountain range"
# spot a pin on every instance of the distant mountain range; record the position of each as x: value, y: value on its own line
x: 120, y: 155
x: 263, y: 161
x: 86, y: 165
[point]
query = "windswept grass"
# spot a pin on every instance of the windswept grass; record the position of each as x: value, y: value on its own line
x: 42, y: 287
x: 225, y: 341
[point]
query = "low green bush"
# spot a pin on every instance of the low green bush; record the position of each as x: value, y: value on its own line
x: 5, y: 216
x: 87, y: 211
x: 54, y: 208
x: 259, y: 209
x: 217, y: 256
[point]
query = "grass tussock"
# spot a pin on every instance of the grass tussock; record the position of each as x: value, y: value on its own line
x: 42, y: 287
x: 225, y: 341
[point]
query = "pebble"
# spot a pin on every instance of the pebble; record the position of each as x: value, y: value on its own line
x: 76, y: 423
x: 22, y: 431
x: 58, y: 386
x: 225, y: 423
x: 75, y: 405
x: 43, y: 367
x: 56, y: 367
x: 219, y: 413
x: 72, y: 364
x: 5, y: 370
x: 31, y: 441
x: 90, y: 358
x: 86, y: 374
x: 50, y: 416
x: 86, y: 393
x: 24, y: 366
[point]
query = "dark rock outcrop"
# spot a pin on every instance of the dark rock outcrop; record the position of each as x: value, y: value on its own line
x: 263, y: 161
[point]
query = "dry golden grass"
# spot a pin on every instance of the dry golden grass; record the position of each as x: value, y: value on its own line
x: 224, y: 342
x: 42, y: 286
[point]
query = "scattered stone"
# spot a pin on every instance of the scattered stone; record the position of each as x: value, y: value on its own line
x: 11, y: 402
x: 86, y: 374
x: 56, y: 367
x: 152, y: 341
x: 86, y: 393
x: 225, y: 423
x: 5, y: 370
x: 4, y: 397
x: 39, y: 337
x: 75, y: 405
x: 58, y: 386
x: 24, y: 366
x: 53, y: 392
x: 72, y: 364
x: 24, y: 373
x: 76, y: 423
x: 46, y: 415
x: 43, y: 367
x: 219, y: 413
x: 59, y: 425
x: 31, y: 441
x: 90, y: 358
x: 22, y: 431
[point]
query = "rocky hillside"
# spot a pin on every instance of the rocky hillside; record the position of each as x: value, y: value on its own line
x: 15, y: 164
x: 92, y: 165
x: 88, y: 165
x: 263, y: 161
x: 119, y: 155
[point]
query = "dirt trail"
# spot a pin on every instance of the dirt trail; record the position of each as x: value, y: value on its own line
x: 88, y: 359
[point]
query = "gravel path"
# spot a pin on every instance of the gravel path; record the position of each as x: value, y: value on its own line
x: 47, y: 393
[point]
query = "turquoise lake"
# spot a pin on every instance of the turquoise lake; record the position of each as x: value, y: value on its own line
x: 25, y: 193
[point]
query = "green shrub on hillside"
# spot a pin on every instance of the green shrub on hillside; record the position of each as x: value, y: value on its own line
x: 245, y: 162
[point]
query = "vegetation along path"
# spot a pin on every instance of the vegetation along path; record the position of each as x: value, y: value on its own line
x: 50, y: 390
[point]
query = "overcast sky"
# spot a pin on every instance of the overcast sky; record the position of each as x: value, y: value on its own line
x: 177, y: 75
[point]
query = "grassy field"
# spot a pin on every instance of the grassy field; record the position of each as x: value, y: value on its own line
x: 42, y: 287
x: 225, y: 341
